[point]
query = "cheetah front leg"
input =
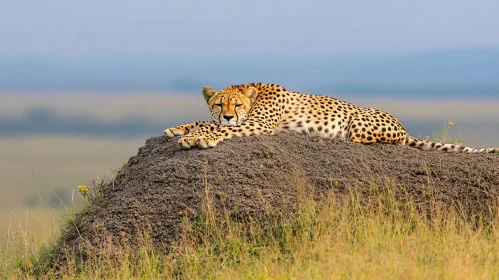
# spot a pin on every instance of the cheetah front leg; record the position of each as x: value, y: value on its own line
x: 186, y: 128
x: 250, y: 127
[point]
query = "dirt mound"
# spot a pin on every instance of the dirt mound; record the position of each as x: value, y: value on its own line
x: 248, y: 175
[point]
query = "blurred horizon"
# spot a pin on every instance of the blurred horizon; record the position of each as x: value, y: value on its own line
x: 453, y: 73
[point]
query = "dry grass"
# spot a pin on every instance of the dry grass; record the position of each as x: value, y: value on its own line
x: 337, y: 238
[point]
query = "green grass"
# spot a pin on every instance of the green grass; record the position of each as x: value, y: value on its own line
x: 443, y: 136
x: 388, y: 237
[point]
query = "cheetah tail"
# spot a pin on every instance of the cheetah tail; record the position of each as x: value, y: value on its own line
x: 452, y: 148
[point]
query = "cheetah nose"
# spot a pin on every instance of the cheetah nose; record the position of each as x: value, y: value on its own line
x: 228, y: 118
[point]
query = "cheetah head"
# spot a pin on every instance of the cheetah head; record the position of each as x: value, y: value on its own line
x: 229, y: 106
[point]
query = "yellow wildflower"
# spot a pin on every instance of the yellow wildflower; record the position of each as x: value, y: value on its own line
x: 83, y: 189
x: 451, y: 124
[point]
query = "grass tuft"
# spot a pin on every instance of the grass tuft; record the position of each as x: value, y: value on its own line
x: 375, y: 235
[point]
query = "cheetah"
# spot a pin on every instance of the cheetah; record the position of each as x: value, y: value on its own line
x: 258, y: 108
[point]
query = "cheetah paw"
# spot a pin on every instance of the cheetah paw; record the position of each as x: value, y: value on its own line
x: 205, y: 143
x: 176, y: 131
x: 169, y: 133
x: 202, y: 142
x: 187, y: 142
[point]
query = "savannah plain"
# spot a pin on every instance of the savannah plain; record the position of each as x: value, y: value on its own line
x: 41, y: 171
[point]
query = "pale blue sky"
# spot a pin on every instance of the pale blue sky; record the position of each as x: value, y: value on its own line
x: 96, y: 28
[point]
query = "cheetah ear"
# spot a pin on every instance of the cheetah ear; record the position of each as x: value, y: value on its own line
x: 207, y: 93
x: 251, y: 92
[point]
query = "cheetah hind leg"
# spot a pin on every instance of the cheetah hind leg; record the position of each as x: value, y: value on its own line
x: 368, y: 129
x: 361, y: 132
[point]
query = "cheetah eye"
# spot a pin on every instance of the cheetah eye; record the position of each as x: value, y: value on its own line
x: 238, y: 105
x: 218, y: 105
